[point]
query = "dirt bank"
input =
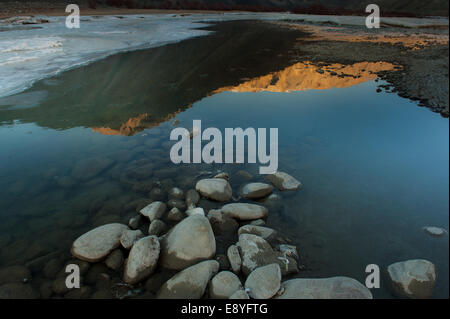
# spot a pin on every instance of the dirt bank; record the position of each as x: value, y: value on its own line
x: 420, y: 56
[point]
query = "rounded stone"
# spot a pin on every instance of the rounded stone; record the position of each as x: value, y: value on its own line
x: 264, y: 282
x: 96, y: 244
x: 189, y: 242
x: 224, y: 285
x: 214, y: 188
x: 256, y: 190
x: 244, y: 211
x: 142, y: 260
x: 413, y: 279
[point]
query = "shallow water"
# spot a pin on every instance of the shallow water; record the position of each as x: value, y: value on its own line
x: 374, y: 167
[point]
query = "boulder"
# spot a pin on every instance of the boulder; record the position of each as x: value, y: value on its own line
x: 214, y: 188
x: 234, y: 258
x: 96, y: 244
x: 264, y: 282
x: 135, y: 222
x: 284, y: 181
x: 264, y: 232
x: 412, y: 278
x: 256, y: 190
x: 224, y: 285
x: 324, y: 288
x: 189, y: 242
x: 129, y: 237
x: 189, y: 283
x: 154, y: 211
x: 142, y: 260
x: 114, y: 260
x: 244, y: 211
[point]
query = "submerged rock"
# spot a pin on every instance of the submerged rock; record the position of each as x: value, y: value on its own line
x: 88, y: 168
x: 154, y: 211
x: 412, y: 278
x: 14, y: 274
x: 224, y: 285
x: 176, y: 193
x: 264, y: 282
x: 189, y: 283
x: 214, y: 188
x: 96, y: 244
x: 192, y: 198
x: 175, y: 215
x: 142, y: 260
x: 222, y: 175
x: 324, y: 288
x: 18, y: 291
x: 256, y: 190
x: 114, y: 260
x: 189, y: 242
x: 244, y: 211
x: 156, y: 227
x: 220, y: 223
x: 435, y: 231
x: 284, y: 181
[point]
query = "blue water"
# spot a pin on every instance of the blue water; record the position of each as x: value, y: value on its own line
x: 374, y: 168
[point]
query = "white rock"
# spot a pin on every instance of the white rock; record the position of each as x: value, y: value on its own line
x: 129, y: 237
x: 264, y: 232
x: 195, y: 211
x: 264, y: 282
x: 284, y: 181
x: 234, y: 258
x: 412, y: 278
x: 214, y: 188
x: 256, y: 190
x: 154, y: 211
x: 324, y: 288
x: 240, y: 294
x: 435, y: 231
x: 224, y: 285
x: 142, y: 260
x: 96, y: 244
x: 244, y: 211
x: 189, y: 283
x: 223, y: 175
x: 189, y: 242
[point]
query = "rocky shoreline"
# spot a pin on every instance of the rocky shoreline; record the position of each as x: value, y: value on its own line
x: 169, y: 250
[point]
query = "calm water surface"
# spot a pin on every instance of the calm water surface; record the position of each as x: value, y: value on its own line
x: 374, y: 166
